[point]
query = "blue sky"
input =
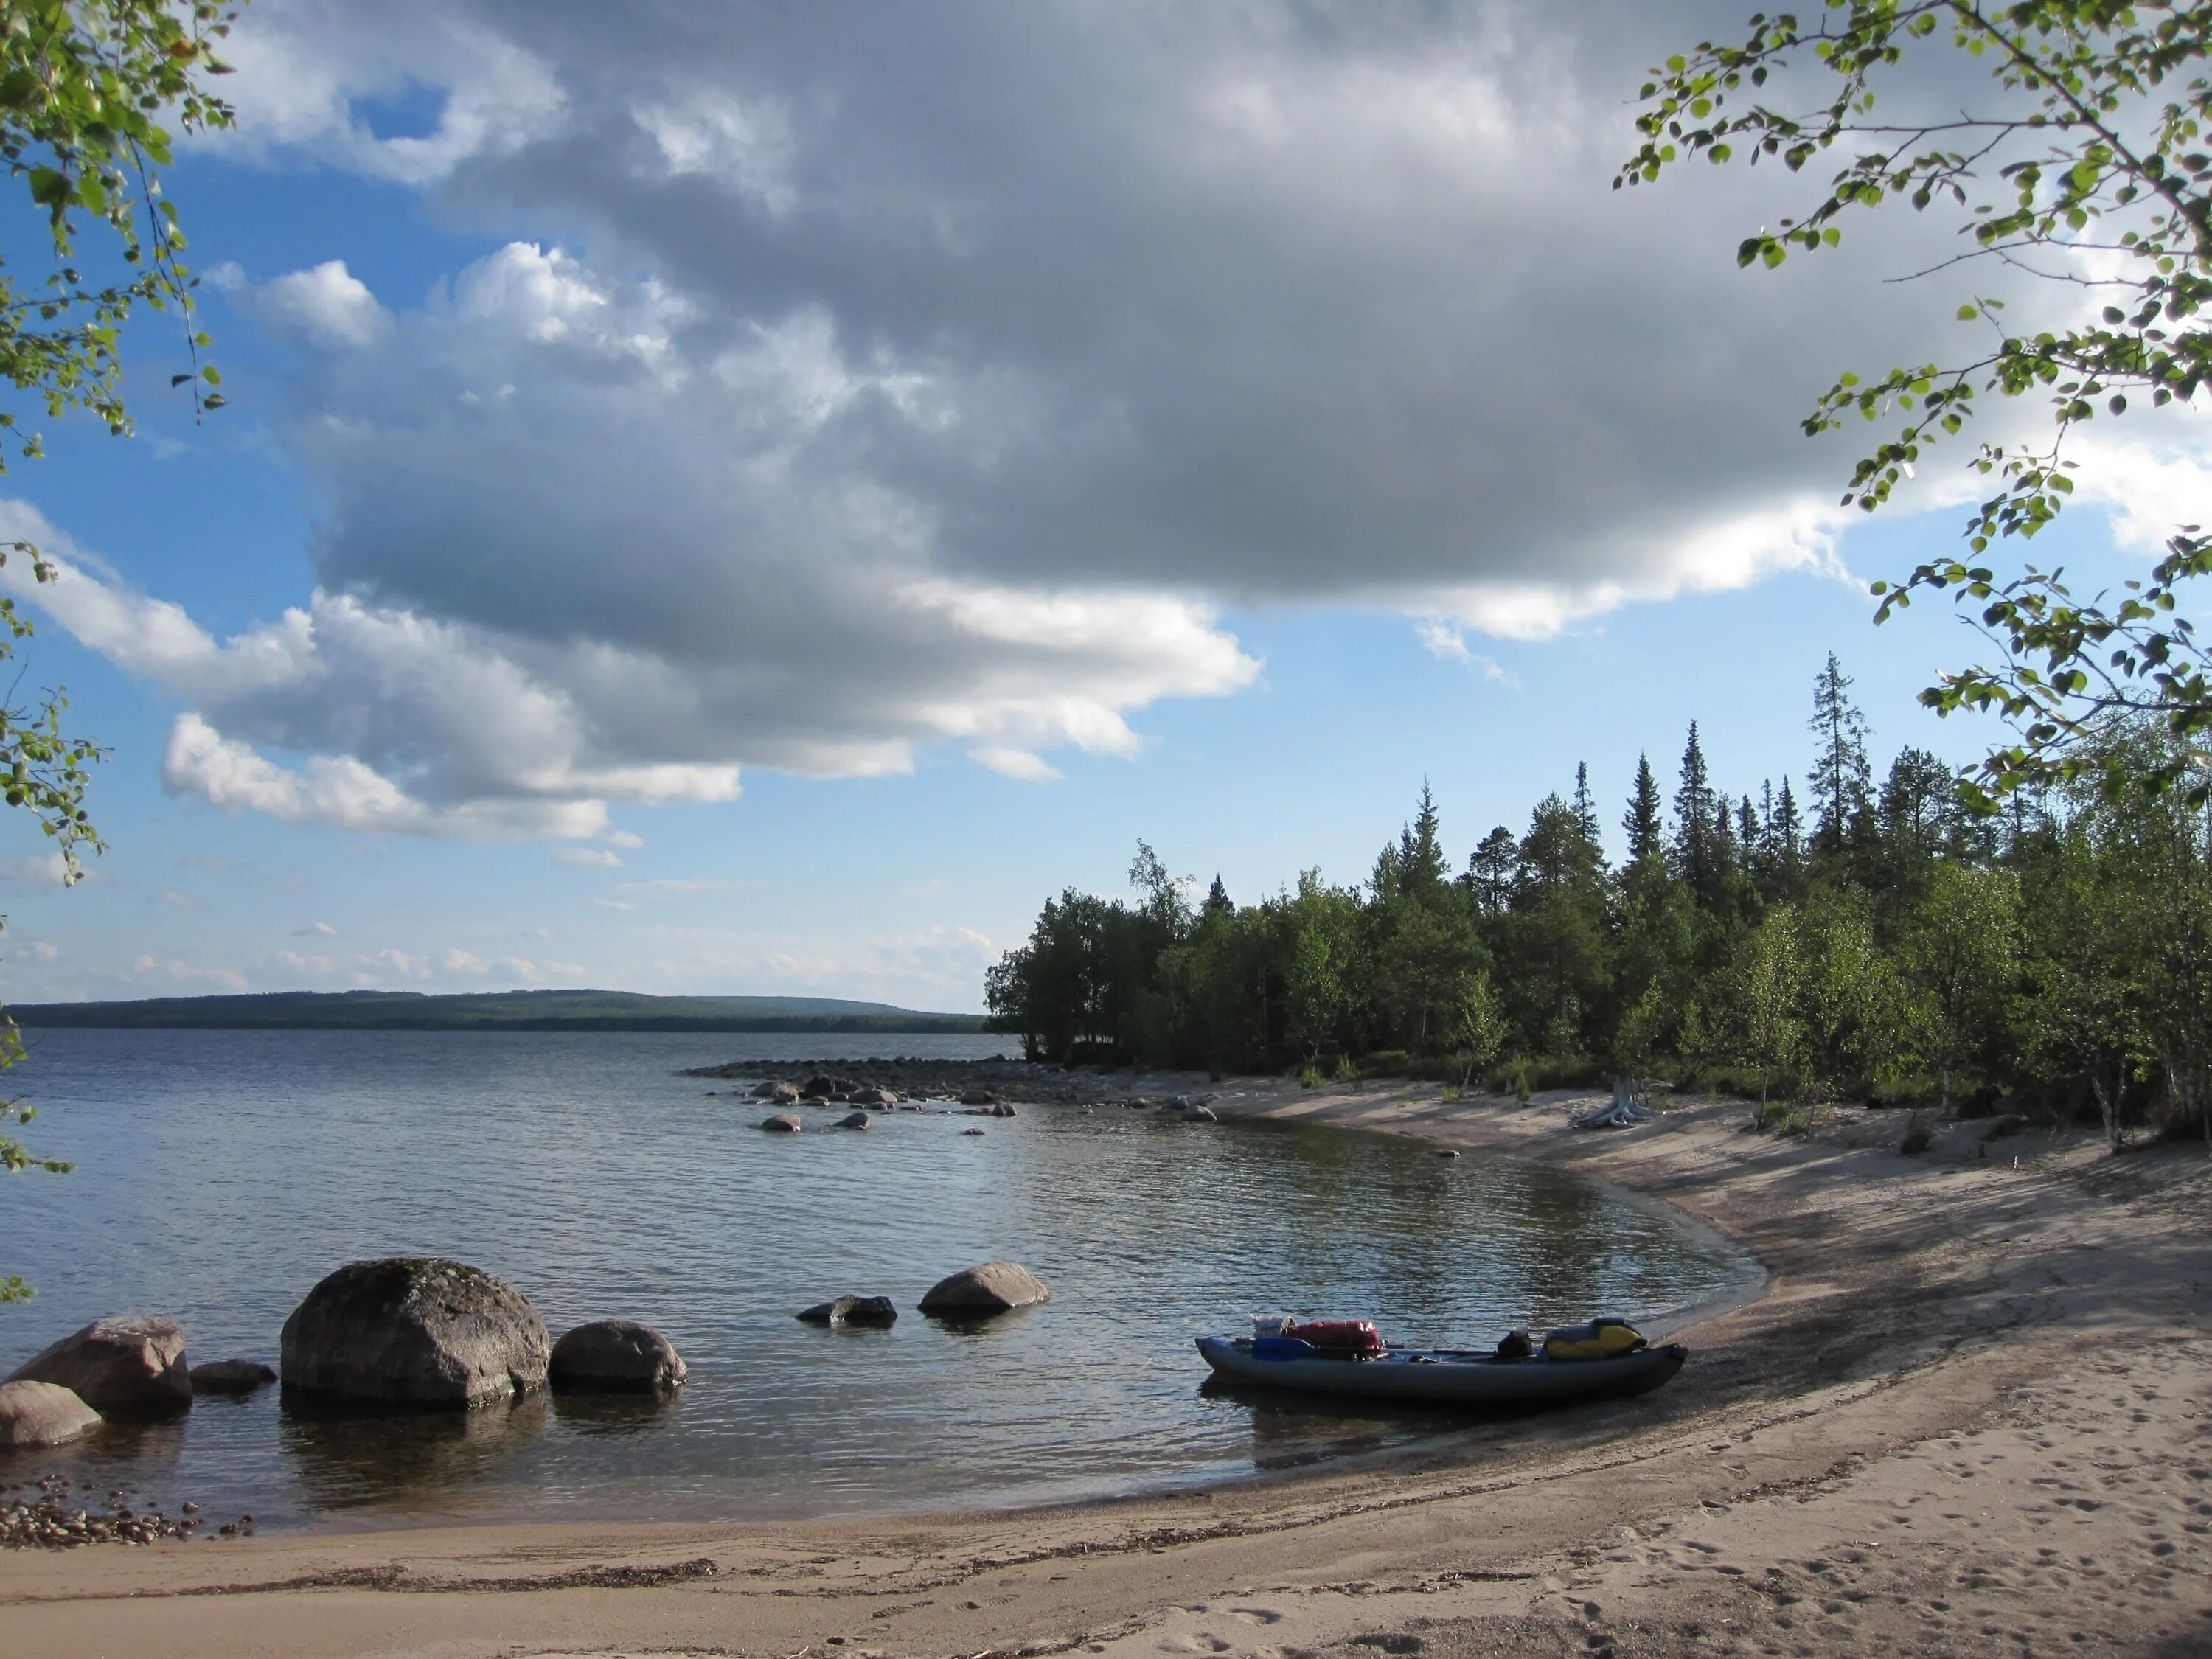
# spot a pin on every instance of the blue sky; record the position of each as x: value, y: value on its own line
x: 748, y: 506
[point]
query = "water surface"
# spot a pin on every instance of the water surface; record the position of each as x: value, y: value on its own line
x: 221, y: 1173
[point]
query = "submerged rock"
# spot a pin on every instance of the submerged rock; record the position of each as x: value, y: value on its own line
x: 615, y: 1356
x: 971, y: 1132
x: 854, y: 1121
x: 414, y: 1331
x: 231, y: 1376
x: 995, y: 1287
x: 132, y: 1365
x: 42, y: 1414
x: 783, y: 1123
x: 852, y: 1311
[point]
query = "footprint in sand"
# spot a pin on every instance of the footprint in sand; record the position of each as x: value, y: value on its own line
x: 1258, y: 1615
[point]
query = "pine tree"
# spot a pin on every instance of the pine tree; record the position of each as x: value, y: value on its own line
x: 1647, y: 836
x: 1490, y: 871
x: 1840, y: 775
x: 1217, y: 899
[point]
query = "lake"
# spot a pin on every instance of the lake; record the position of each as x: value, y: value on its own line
x: 221, y: 1173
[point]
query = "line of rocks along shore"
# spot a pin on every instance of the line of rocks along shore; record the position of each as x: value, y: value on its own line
x: 920, y: 1079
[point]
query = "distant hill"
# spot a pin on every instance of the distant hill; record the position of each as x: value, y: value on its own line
x: 505, y: 1011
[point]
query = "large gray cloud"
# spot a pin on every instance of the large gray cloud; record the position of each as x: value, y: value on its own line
x: 864, y: 378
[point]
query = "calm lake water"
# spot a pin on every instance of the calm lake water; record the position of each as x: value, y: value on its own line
x: 222, y: 1173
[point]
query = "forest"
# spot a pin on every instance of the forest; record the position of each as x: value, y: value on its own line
x: 1894, y: 941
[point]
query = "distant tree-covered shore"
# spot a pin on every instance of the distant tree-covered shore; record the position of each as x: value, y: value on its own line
x: 1870, y: 939
x: 511, y: 1011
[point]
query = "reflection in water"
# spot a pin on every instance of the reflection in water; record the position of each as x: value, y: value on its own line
x: 615, y: 1416
x: 345, y: 1458
x: 584, y: 1170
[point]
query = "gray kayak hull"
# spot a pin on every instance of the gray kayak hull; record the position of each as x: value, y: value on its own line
x: 1438, y: 1378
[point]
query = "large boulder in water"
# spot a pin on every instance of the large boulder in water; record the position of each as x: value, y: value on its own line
x: 42, y: 1414
x: 414, y: 1331
x: 615, y: 1356
x: 783, y: 1123
x: 996, y: 1287
x: 134, y: 1364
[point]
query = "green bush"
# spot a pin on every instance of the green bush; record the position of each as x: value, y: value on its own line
x: 1309, y: 1078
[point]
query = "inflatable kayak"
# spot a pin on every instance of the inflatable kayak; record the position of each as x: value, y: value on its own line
x: 1442, y: 1377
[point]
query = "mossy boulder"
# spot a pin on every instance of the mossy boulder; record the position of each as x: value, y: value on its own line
x: 414, y: 1331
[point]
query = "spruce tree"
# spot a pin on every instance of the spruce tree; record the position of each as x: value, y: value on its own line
x: 1217, y: 899
x: 1585, y: 808
x: 1647, y: 835
x: 1423, y: 873
x: 1840, y: 776
x: 1693, y: 819
x: 1726, y: 858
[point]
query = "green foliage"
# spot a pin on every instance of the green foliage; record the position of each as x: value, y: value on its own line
x: 2054, y: 959
x: 2078, y: 154
x: 83, y: 87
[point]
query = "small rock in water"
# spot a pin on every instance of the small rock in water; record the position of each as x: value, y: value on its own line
x: 971, y: 1132
x: 783, y: 1123
x: 615, y: 1356
x: 231, y: 1376
x: 854, y: 1121
x: 992, y: 1288
x: 852, y: 1311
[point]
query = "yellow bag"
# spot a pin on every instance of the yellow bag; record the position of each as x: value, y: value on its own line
x: 1601, y: 1338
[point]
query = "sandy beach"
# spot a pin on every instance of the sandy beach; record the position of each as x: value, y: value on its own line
x: 1969, y: 1415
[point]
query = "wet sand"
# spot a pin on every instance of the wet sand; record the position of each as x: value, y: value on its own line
x: 1972, y: 1413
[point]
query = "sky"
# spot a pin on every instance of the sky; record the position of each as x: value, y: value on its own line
x: 751, y: 499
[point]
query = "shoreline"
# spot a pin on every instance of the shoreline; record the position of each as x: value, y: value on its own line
x: 1925, y: 1323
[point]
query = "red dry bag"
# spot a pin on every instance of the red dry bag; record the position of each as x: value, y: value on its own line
x: 1356, y: 1336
